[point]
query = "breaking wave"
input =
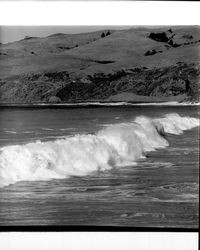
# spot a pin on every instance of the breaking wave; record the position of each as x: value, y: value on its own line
x: 117, y: 145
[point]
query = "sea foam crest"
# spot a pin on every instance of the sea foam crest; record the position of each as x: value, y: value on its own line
x: 117, y: 145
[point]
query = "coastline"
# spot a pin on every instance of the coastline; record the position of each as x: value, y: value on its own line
x: 94, y: 104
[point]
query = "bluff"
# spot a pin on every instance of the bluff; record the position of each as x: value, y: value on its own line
x: 141, y: 64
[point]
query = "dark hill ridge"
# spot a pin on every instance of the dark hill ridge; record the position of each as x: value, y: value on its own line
x: 144, y: 64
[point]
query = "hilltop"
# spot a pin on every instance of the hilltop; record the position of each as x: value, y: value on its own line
x: 139, y: 64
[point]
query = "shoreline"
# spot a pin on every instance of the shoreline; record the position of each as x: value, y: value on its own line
x: 94, y: 104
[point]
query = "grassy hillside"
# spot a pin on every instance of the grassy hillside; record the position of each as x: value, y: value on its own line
x: 82, y: 67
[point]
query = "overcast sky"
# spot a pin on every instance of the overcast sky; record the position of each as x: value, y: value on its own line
x: 15, y: 33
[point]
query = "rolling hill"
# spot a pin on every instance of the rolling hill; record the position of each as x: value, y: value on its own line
x: 157, y: 64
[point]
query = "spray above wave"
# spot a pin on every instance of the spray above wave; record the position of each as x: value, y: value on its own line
x: 117, y: 145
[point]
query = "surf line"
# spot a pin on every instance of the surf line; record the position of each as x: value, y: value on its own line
x: 114, y: 146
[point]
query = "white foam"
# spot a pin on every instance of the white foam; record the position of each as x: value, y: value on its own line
x: 66, y: 129
x: 10, y: 132
x: 117, y: 145
x: 48, y: 129
x: 167, y: 104
x: 175, y: 124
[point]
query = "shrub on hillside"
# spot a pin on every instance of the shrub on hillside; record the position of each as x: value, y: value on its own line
x: 103, y: 35
x: 108, y: 33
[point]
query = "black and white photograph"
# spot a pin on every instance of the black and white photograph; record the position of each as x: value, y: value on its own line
x: 99, y: 126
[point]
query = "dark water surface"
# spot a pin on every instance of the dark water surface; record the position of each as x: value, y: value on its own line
x: 160, y: 191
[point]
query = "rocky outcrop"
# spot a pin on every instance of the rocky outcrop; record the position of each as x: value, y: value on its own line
x: 152, y: 52
x: 180, y: 79
x: 159, y: 37
x: 54, y: 99
x: 169, y: 38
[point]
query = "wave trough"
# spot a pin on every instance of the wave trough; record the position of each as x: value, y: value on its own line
x: 117, y: 145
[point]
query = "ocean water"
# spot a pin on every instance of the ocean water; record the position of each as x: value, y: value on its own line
x: 131, y: 166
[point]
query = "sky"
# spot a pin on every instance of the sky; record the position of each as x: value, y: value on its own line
x: 15, y: 33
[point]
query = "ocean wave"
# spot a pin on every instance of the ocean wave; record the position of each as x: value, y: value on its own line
x: 113, y: 146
